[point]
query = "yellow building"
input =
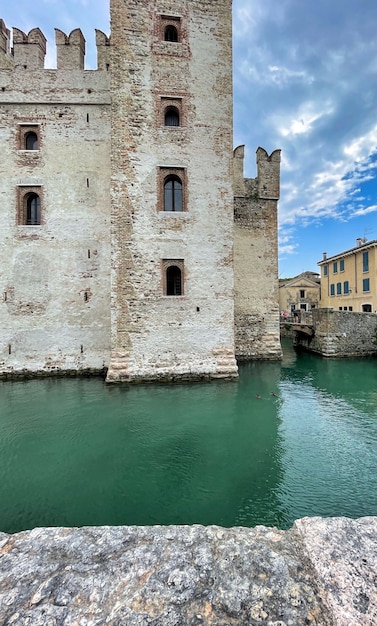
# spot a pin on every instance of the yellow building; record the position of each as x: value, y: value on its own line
x: 349, y: 279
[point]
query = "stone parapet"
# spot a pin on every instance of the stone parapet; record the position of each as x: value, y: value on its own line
x: 341, y: 334
x: 29, y: 49
x: 321, y: 572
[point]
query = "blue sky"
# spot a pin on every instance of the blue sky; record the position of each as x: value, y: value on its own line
x: 305, y: 81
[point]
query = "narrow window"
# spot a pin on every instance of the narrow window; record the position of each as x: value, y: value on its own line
x: 172, y: 116
x: 173, y: 194
x: 33, y: 209
x: 302, y: 293
x: 346, y: 287
x: 335, y: 267
x: 332, y: 289
x: 338, y: 289
x: 365, y: 262
x: 366, y: 286
x: 341, y: 265
x: 173, y: 281
x: 325, y: 270
x: 31, y: 141
x: 171, y: 33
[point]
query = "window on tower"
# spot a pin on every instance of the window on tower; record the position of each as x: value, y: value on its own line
x: 173, y: 277
x: 172, y: 116
x: 173, y: 194
x: 29, y: 210
x: 171, y: 33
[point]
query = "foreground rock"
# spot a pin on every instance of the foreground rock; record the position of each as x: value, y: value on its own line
x: 321, y: 572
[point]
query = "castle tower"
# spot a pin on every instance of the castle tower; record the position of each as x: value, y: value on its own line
x: 256, y: 285
x: 171, y: 190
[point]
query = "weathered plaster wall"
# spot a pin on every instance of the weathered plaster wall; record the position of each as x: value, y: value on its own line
x: 321, y: 572
x: 257, y: 332
x: 153, y: 335
x: 55, y: 291
x: 342, y: 334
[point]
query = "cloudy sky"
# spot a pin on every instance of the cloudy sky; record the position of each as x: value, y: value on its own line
x: 305, y: 81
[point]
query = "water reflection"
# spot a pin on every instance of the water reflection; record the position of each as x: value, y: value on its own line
x: 288, y: 439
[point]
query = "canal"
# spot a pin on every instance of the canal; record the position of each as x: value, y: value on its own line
x: 286, y: 440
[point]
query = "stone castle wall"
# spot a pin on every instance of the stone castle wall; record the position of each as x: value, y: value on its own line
x: 257, y: 331
x: 85, y: 290
x: 341, y: 334
x: 54, y: 309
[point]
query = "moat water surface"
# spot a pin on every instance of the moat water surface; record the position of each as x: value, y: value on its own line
x: 76, y: 452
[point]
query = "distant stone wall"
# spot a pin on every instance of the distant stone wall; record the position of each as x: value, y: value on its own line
x: 321, y: 572
x: 342, y: 334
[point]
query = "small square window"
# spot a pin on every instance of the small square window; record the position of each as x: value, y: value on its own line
x: 350, y: 308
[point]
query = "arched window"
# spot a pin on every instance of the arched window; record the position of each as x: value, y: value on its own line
x: 171, y: 33
x: 173, y: 281
x: 173, y: 194
x: 33, y: 209
x: 31, y: 141
x: 171, y: 116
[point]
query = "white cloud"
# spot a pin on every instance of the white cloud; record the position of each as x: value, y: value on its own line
x: 364, y: 210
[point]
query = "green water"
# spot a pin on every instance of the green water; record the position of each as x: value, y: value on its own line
x: 76, y: 452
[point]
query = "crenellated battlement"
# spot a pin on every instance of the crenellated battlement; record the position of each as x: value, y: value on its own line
x: 29, y: 50
x: 267, y: 183
x: 268, y: 173
x: 70, y: 50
